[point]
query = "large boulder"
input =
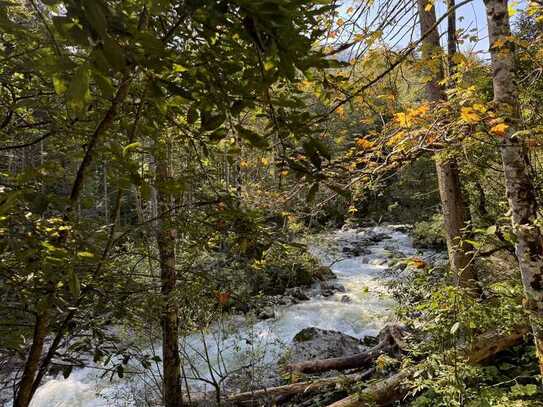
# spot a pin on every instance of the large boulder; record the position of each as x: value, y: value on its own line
x: 315, y: 343
x: 297, y: 293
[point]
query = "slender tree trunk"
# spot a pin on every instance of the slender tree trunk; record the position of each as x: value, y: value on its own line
x: 166, y: 241
x: 24, y: 392
x: 451, y: 36
x: 518, y: 182
x: 450, y: 191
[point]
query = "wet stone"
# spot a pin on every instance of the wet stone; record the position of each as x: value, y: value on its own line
x: 346, y: 299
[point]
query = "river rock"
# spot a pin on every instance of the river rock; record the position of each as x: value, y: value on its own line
x: 378, y: 237
x: 401, y: 228
x: 378, y: 262
x: 327, y: 293
x: 315, y: 343
x: 356, y: 250
x: 346, y: 299
x: 297, y: 293
x: 266, y: 313
x: 332, y: 286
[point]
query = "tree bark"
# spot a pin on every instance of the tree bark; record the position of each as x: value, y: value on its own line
x: 396, y: 387
x: 450, y: 191
x: 166, y: 240
x: 24, y: 391
x: 518, y: 182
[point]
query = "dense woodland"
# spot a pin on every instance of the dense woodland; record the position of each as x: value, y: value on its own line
x: 163, y: 164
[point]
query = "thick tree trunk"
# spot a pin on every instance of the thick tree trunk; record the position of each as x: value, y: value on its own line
x: 24, y: 391
x: 390, y: 342
x: 518, y: 182
x: 450, y: 191
x: 166, y: 241
x: 454, y: 215
x: 396, y: 387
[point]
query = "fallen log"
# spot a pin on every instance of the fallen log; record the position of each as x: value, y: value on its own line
x: 396, y: 387
x: 293, y: 389
x: 390, y: 341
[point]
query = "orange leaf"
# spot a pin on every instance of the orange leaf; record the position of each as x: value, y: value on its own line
x: 222, y: 297
x: 364, y: 143
x: 469, y: 115
x: 499, y: 129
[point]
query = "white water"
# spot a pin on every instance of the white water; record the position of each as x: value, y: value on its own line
x: 261, y: 343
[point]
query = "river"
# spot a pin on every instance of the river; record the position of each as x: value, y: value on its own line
x: 258, y: 344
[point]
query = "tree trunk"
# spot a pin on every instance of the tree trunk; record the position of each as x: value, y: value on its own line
x: 24, y: 391
x: 518, y: 182
x: 450, y: 191
x: 166, y: 241
x: 396, y: 387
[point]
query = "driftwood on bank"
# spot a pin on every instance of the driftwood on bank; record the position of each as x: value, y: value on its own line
x: 395, y: 387
x: 390, y: 340
x: 293, y: 389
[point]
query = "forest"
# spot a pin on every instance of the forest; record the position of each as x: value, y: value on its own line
x: 271, y: 203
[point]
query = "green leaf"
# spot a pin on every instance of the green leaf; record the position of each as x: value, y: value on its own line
x: 85, y: 254
x: 78, y: 95
x: 491, y: 230
x: 474, y: 243
x: 210, y: 121
x: 131, y: 146
x: 114, y: 55
x: 59, y: 84
x: 74, y: 285
x: 255, y: 139
x: 104, y: 84
x: 95, y: 14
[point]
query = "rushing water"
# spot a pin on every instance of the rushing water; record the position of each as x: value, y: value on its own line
x: 258, y: 344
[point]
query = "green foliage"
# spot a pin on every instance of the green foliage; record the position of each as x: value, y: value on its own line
x: 442, y: 318
x: 430, y: 234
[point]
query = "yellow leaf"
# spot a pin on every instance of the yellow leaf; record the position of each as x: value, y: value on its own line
x: 403, y: 119
x: 397, y: 138
x: 511, y: 9
x: 428, y: 7
x: 364, y: 143
x: 479, y: 107
x: 469, y: 115
x: 499, y: 129
x: 340, y: 22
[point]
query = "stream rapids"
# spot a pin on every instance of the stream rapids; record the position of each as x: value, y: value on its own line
x: 252, y: 348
